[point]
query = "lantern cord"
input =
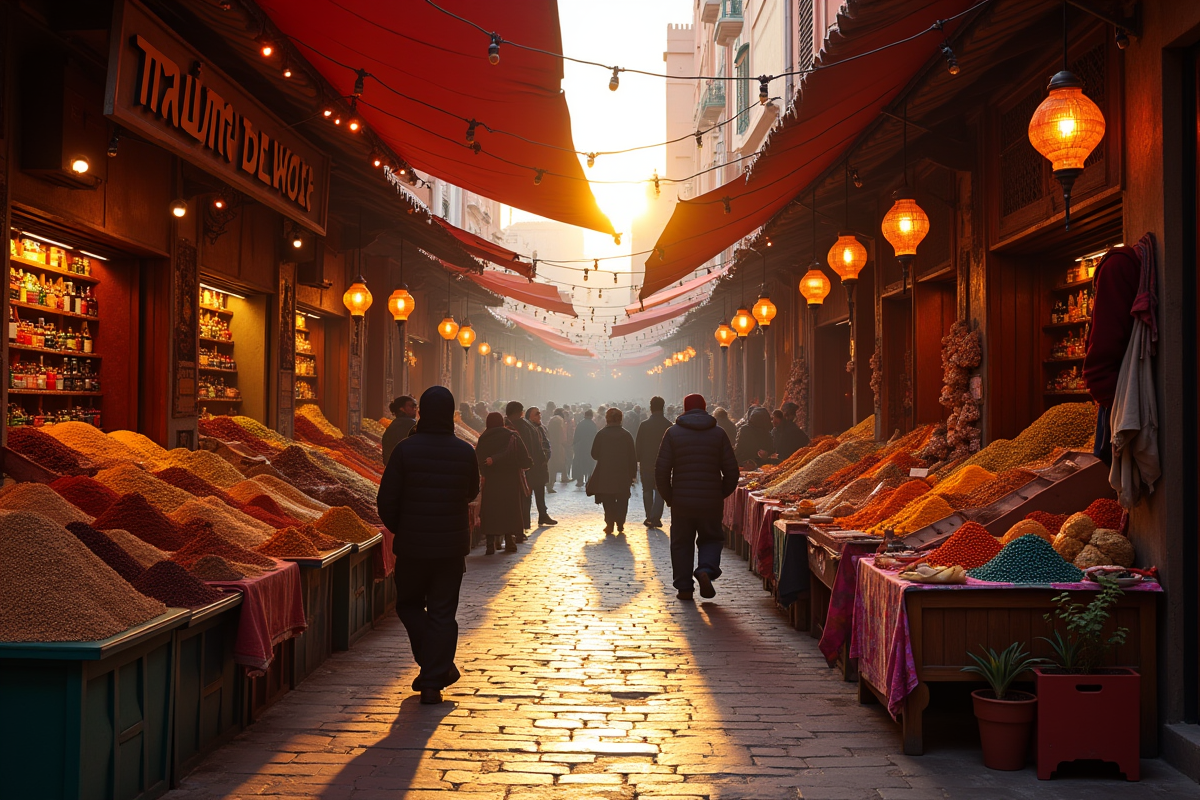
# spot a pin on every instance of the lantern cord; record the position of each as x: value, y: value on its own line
x: 1064, y: 5
x: 814, y: 224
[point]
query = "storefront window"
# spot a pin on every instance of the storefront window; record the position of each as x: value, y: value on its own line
x: 742, y: 66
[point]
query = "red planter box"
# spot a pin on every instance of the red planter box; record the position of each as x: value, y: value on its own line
x: 1093, y: 717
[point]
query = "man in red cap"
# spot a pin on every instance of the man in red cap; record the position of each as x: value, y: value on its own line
x: 695, y: 471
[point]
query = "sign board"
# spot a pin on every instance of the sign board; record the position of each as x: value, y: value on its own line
x: 161, y: 87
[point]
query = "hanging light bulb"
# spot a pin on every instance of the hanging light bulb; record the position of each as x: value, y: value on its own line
x: 742, y: 323
x: 297, y: 240
x: 591, y: 159
x: 510, y: 360
x: 287, y: 69
x: 494, y: 49
x: 80, y: 165
x: 814, y: 286
x: 847, y: 257
x: 357, y: 298
x: 484, y: 348
x: 537, y: 178
x: 905, y: 225
x: 951, y: 60
x: 466, y: 335
x: 448, y: 328
x: 1065, y: 129
x: 265, y: 46
x: 179, y: 208
x: 724, y: 335
x: 520, y: 363
x: 401, y: 304
x: 764, y: 89
x: 615, y: 80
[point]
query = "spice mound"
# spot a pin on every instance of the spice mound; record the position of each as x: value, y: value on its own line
x: 102, y: 450
x: 215, y: 568
x: 86, y: 494
x: 175, y: 586
x: 206, y: 542
x: 320, y: 540
x: 126, y: 478
x: 107, y: 551
x: 264, y: 508
x: 300, y: 470
x: 53, y: 589
x: 1106, y: 513
x: 1026, y: 527
x: 226, y: 429
x: 341, y: 496
x: 208, y: 465
x: 193, y: 484
x: 132, y: 513
x: 1051, y: 522
x: 289, y: 543
x: 144, y: 446
x: 39, y: 498
x: 144, y: 553
x: 232, y: 524
x: 43, y: 449
x: 971, y: 546
x: 342, y: 523
x: 1029, y: 559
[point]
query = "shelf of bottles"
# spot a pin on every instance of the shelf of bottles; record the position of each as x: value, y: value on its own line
x: 53, y: 317
x: 217, y: 384
x: 306, y: 363
x: 1070, y: 315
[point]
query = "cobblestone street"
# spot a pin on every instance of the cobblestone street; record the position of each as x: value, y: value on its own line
x: 583, y: 676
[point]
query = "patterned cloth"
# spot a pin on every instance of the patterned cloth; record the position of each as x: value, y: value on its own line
x: 839, y: 620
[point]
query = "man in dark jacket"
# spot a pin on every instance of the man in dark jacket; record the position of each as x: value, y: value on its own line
x: 789, y: 437
x: 405, y: 410
x: 536, y: 475
x: 581, y: 443
x: 754, y: 444
x: 649, y: 437
x: 428, y: 482
x: 533, y: 416
x: 695, y: 471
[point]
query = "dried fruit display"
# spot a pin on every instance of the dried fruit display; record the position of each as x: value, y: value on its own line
x: 962, y: 351
x: 86, y: 494
x: 1104, y: 548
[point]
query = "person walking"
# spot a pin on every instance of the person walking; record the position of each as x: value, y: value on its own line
x: 649, y: 437
x: 503, y: 460
x: 581, y: 442
x: 533, y: 416
x: 695, y: 471
x: 429, y: 480
x: 467, y: 415
x: 556, y: 430
x: 535, y: 476
x: 404, y: 408
x: 615, y: 472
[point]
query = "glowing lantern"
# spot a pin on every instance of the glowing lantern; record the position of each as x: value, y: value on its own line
x: 448, y: 328
x: 510, y: 360
x: 725, y: 335
x: 1066, y: 128
x: 742, y: 322
x: 764, y: 310
x: 401, y: 304
x: 905, y: 225
x: 847, y: 257
x: 466, y: 335
x: 357, y: 298
x: 814, y: 286
x: 520, y: 363
x: 484, y: 348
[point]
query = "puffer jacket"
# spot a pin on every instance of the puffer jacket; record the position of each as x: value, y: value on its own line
x: 430, y: 478
x: 696, y: 469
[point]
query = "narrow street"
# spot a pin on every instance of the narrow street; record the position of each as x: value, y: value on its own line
x: 583, y: 676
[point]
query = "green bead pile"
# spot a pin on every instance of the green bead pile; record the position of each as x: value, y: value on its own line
x: 1028, y: 559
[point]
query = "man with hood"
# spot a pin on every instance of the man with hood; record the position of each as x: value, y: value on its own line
x: 695, y: 471
x: 429, y: 480
x: 649, y: 437
x: 754, y: 441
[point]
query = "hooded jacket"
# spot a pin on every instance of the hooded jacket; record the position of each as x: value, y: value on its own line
x: 788, y: 438
x: 696, y: 469
x: 648, y: 440
x: 755, y: 436
x: 428, y: 482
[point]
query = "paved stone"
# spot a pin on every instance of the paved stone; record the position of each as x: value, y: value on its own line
x: 584, y: 677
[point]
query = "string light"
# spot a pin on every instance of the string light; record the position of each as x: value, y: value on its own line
x: 657, y: 189
x: 287, y: 69
x: 728, y: 207
x: 537, y: 178
x: 951, y: 60
x: 494, y: 49
x: 764, y: 89
x: 591, y: 159
x: 615, y: 80
x: 360, y: 76
x: 265, y: 46
x: 471, y: 130
x: 179, y: 208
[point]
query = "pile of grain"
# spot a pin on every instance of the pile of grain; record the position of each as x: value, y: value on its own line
x: 964, y: 481
x: 107, y: 551
x: 985, y: 494
x: 206, y: 542
x: 144, y: 446
x: 173, y: 585
x: 39, y: 498
x: 127, y: 478
x: 289, y: 543
x: 193, y: 484
x: 1070, y: 425
x: 205, y: 464
x: 227, y: 430
x: 263, y: 433
x: 251, y: 488
x: 341, y: 496
x: 1029, y: 559
x: 53, y: 589
x: 264, y: 509
x: 1106, y: 513
x: 92, y: 443
x: 312, y: 413
x: 1051, y: 522
x: 916, y: 515
x: 808, y: 476
x: 343, y: 524
x: 221, y: 517
x: 46, y: 451
x: 863, y: 430
x: 280, y: 488
x: 134, y: 514
x: 86, y: 494
x: 300, y: 470
x: 144, y: 553
x: 969, y: 547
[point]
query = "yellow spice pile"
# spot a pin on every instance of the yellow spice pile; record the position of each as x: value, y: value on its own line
x: 92, y: 442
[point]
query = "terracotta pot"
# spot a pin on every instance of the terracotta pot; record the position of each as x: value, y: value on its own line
x: 1004, y: 728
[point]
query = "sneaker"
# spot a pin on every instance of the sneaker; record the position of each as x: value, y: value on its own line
x: 706, y: 586
x: 430, y: 697
x: 684, y: 595
x: 547, y: 521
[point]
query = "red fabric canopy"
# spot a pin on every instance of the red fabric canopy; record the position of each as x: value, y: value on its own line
x: 549, y: 336
x: 646, y: 319
x: 488, y: 251
x: 542, y: 295
x: 442, y: 64
x: 834, y: 106
x: 667, y: 295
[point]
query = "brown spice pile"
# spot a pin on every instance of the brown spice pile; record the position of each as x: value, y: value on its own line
x: 341, y: 496
x: 126, y: 478
x: 39, y: 498
x: 107, y: 551
x: 144, y: 446
x: 250, y: 489
x: 223, y: 520
x: 193, y: 484
x: 885, y: 505
x: 204, y: 463
x: 91, y: 441
x: 134, y: 514
x: 43, y: 449
x: 170, y: 583
x: 53, y: 589
x: 320, y: 540
x: 300, y: 470
x: 342, y: 523
x: 987, y: 493
x: 215, y: 568
x: 264, y: 508
x: 144, y: 553
x: 86, y: 494
x: 281, y: 488
x: 289, y: 543
x: 206, y: 542
x: 227, y: 430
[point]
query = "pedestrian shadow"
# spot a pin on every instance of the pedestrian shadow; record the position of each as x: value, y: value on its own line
x: 610, y: 564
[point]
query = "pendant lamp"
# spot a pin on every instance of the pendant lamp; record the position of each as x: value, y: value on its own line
x: 814, y: 286
x: 401, y: 304
x: 764, y: 309
x: 484, y: 348
x: 725, y: 335
x: 448, y: 328
x: 742, y: 323
x: 357, y: 298
x: 906, y: 223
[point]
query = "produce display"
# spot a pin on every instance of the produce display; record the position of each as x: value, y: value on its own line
x: 1026, y: 527
x: 289, y: 543
x: 205, y: 541
x: 341, y: 523
x: 41, y: 447
x: 39, y: 498
x: 170, y: 583
x: 215, y: 568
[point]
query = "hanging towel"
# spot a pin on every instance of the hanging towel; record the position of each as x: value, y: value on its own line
x: 1134, y: 415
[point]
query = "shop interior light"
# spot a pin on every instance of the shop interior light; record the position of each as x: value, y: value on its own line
x: 448, y: 328
x: 742, y: 323
x: 80, y: 165
x: 814, y: 286
x: 179, y: 208
x: 401, y: 304
x: 297, y: 240
x: 484, y: 348
x: 47, y: 241
x: 265, y: 46
x: 92, y: 255
x: 724, y: 335
x: 1065, y: 129
x: 847, y: 257
x: 312, y: 316
x: 357, y: 298
x: 466, y: 335
x: 225, y: 292
x: 219, y: 203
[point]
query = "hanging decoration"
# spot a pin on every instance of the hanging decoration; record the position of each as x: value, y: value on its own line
x: 905, y: 224
x: 357, y: 298
x: 814, y: 286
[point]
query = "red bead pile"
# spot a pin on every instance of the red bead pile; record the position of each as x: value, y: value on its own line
x: 969, y: 547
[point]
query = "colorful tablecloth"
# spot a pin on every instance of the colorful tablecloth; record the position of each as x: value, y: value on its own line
x: 761, y: 514
x: 880, y: 638
x: 734, y: 506
x: 272, y: 612
x: 839, y: 619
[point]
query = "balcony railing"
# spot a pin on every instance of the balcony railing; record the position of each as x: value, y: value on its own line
x: 712, y: 103
x: 729, y: 22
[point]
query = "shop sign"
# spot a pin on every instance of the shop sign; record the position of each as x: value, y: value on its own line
x: 160, y: 87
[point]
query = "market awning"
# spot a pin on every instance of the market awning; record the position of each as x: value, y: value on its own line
x: 667, y: 295
x: 547, y: 335
x: 488, y: 251
x: 429, y: 77
x: 541, y: 295
x: 647, y: 319
x: 644, y: 357
x: 860, y: 70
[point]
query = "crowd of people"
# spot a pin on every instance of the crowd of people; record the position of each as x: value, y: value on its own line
x: 687, y: 460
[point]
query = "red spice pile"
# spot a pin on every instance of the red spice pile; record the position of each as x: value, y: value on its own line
x: 885, y: 505
x: 107, y: 550
x: 133, y: 513
x: 1051, y: 522
x: 87, y: 494
x: 299, y: 469
x: 902, y: 460
x: 1106, y: 513
x: 193, y: 484
x: 359, y: 455
x: 1000, y: 486
x: 320, y: 540
x: 304, y: 429
x: 173, y: 585
x: 969, y: 547
x: 264, y: 508
x: 206, y: 542
x: 289, y: 543
x: 46, y: 451
x: 227, y: 430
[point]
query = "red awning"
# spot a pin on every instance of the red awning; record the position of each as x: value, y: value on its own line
x: 667, y: 295
x: 440, y: 65
x: 548, y: 335
x: 834, y: 105
x: 488, y: 251
x: 646, y: 319
x: 542, y: 295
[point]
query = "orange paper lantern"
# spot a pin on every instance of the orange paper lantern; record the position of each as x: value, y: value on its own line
x: 847, y: 257
x: 357, y: 298
x: 814, y: 286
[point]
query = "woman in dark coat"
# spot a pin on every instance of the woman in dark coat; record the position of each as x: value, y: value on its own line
x: 581, y: 443
x: 616, y: 468
x: 502, y: 456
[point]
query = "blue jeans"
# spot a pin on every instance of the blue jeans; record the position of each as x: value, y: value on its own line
x: 653, y: 502
x: 689, y: 534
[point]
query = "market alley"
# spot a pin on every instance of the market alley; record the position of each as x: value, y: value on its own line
x: 583, y: 676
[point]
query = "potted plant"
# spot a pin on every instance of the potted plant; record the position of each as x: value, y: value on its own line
x: 1087, y: 711
x: 1005, y: 716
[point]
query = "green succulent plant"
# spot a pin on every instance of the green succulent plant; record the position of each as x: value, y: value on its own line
x: 1001, y: 669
